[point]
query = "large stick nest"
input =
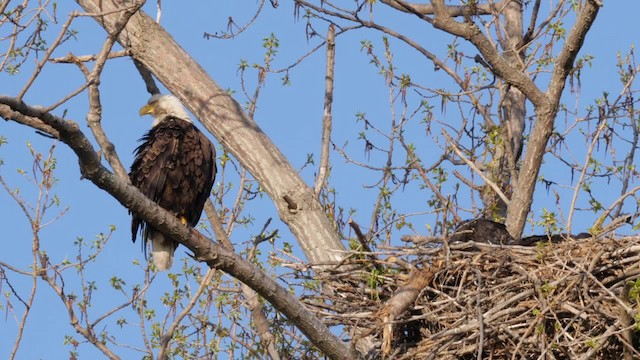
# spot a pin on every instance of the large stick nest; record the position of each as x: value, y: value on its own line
x: 572, y: 300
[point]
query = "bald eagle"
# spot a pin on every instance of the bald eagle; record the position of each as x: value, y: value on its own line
x: 175, y: 167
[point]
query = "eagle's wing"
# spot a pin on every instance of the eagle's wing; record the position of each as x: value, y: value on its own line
x: 197, y: 161
x: 154, y: 162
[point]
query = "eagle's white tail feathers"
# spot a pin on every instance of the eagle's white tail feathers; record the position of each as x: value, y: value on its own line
x: 162, y: 250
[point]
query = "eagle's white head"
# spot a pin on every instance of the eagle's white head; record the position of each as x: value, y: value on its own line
x: 160, y: 106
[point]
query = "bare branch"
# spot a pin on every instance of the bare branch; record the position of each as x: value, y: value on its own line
x: 499, y: 65
x: 73, y: 318
x: 452, y: 10
x: 147, y: 77
x: 415, y: 164
x: 572, y: 208
x: 94, y: 118
x: 48, y: 53
x: 546, y: 113
x: 488, y: 181
x: 215, y: 255
x: 223, y: 116
x: 327, y: 117
x: 528, y: 36
x: 230, y: 34
x: 71, y: 59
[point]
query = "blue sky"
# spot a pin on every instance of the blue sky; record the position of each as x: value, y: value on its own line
x: 290, y: 115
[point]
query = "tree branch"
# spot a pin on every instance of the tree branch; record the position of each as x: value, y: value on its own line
x: 47, y: 54
x: 94, y: 118
x: 545, y: 116
x: 473, y: 167
x: 73, y: 318
x: 166, y: 337
x: 215, y: 255
x: 326, y: 119
x: 499, y: 65
x: 564, y: 61
x: 452, y: 10
x: 256, y: 308
x: 223, y: 116
x: 406, y: 39
x: 35, y: 123
x: 71, y: 59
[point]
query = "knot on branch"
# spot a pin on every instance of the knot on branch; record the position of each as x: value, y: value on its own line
x: 298, y: 199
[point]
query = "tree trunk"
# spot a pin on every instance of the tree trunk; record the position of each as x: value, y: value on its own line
x: 545, y: 117
x: 152, y: 46
x: 502, y: 168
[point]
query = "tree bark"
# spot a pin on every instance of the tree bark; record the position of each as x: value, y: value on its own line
x: 546, y: 104
x: 152, y: 46
x: 502, y: 168
x: 545, y: 118
x: 215, y: 255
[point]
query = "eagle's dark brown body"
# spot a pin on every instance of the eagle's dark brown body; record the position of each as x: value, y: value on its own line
x: 175, y: 167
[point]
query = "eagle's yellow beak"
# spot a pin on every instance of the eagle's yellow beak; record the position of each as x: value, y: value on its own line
x: 147, y: 109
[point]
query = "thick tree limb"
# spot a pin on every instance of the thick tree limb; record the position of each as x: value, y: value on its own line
x: 499, y: 65
x: 224, y: 117
x: 545, y: 116
x: 214, y: 254
x: 546, y: 104
x: 32, y: 122
x: 452, y: 10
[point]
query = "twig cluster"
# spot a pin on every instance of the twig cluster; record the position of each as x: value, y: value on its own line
x: 572, y: 300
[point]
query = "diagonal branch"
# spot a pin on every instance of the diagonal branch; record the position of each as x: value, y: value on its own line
x: 498, y: 64
x: 545, y: 117
x: 258, y: 315
x: 47, y: 54
x: 87, y: 332
x: 94, y: 118
x: 473, y: 167
x: 152, y: 46
x: 215, y: 255
x: 327, y: 117
x: 452, y: 10
x: 564, y: 61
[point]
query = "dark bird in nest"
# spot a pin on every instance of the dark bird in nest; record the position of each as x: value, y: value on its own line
x: 491, y: 232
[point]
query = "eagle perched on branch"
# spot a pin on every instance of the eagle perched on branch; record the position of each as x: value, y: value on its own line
x: 175, y: 167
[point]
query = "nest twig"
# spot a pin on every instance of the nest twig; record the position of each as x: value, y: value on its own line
x: 572, y: 300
